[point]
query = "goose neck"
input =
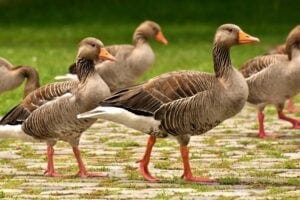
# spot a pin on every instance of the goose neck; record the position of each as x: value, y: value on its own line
x: 139, y: 38
x: 32, y: 76
x: 221, y: 57
x: 84, y: 68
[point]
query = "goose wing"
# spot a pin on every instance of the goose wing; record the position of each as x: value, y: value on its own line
x: 147, y: 98
x: 259, y: 63
x: 37, y: 98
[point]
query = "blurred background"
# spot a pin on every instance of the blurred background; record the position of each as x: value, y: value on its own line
x: 45, y: 33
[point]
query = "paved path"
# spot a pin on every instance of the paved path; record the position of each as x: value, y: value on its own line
x: 247, y: 167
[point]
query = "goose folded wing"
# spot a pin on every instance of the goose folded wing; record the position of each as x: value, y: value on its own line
x: 259, y: 63
x: 36, y: 99
x: 147, y: 98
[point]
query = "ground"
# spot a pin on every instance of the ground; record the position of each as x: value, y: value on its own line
x: 246, y: 167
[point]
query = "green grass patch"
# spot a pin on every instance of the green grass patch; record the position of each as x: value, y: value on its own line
x: 261, y: 173
x: 162, y: 196
x: 288, y: 164
x: 32, y: 191
x: 245, y: 158
x: 165, y: 143
x: 163, y: 165
x: 229, y: 180
x: 26, y: 151
x: 12, y: 183
x: 6, y: 143
x: 99, y: 193
x: 132, y: 173
x: 293, y: 181
x: 2, y: 194
x: 104, y: 139
x: 123, y: 144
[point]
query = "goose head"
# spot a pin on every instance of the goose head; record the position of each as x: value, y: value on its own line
x: 93, y: 49
x: 228, y: 35
x: 150, y: 30
x: 293, y: 42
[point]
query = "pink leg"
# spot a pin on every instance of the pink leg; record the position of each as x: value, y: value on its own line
x: 82, y: 170
x: 187, y: 173
x: 146, y: 159
x: 262, y: 133
x: 294, y: 122
x: 291, y: 106
x: 50, y: 166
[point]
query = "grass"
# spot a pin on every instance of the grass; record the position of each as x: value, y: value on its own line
x: 124, y: 144
x: 46, y: 37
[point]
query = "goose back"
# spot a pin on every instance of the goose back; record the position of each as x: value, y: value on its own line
x: 259, y: 63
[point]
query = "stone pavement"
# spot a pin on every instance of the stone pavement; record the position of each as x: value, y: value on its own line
x: 246, y: 167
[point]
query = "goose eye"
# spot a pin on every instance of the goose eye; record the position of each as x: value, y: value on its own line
x: 230, y: 30
x: 93, y: 45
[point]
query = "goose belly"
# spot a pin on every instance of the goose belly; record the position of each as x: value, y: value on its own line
x: 56, y: 121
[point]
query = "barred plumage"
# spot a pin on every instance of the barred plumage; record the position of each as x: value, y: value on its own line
x: 259, y: 63
x: 183, y: 103
x: 276, y: 79
x: 49, y: 113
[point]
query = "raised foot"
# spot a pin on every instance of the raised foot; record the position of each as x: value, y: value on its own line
x: 52, y: 174
x: 146, y: 174
x: 192, y: 178
x: 91, y: 174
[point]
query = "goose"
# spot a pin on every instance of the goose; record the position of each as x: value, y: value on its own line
x: 11, y: 77
x: 182, y: 103
x: 49, y: 113
x: 277, y: 82
x: 132, y: 61
x: 281, y: 49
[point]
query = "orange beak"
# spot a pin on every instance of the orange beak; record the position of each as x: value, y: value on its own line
x: 161, y: 38
x: 244, y: 38
x: 104, y: 55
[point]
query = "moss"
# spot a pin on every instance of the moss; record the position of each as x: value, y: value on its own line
x: 132, y: 173
x: 222, y: 164
x: 210, y: 141
x: 230, y: 180
x: 2, y: 194
x: 12, y: 183
x: 6, y: 143
x: 99, y: 193
x: 275, y: 191
x: 165, y: 143
x: 26, y: 151
x: 32, y: 191
x: 123, y: 144
x: 288, y: 164
x: 245, y: 158
x: 162, y: 196
x: 293, y: 181
x: 104, y: 139
x: 163, y: 165
x: 261, y: 173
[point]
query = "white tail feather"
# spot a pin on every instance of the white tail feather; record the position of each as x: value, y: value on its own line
x: 123, y: 116
x: 67, y: 77
x: 14, y: 131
